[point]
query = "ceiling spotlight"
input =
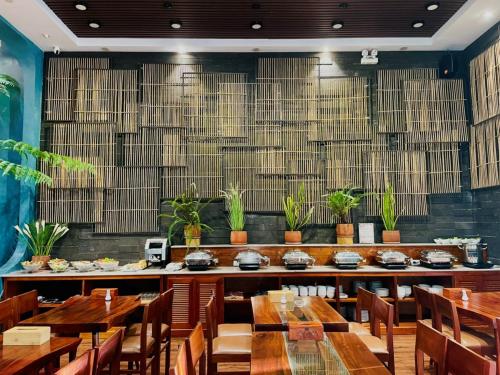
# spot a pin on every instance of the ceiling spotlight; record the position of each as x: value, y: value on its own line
x: 432, y: 6
x: 417, y: 24
x: 94, y: 24
x: 343, y: 5
x: 255, y: 6
x: 46, y: 36
x: 256, y: 25
x: 175, y: 24
x: 80, y: 5
x: 168, y: 5
x: 337, y: 25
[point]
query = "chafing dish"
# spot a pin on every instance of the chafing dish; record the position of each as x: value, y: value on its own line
x: 200, y: 260
x: 250, y: 260
x: 347, y: 259
x: 436, y: 259
x: 475, y: 255
x: 297, y: 260
x: 392, y: 259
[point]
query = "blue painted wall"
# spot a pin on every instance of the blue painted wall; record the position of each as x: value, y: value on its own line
x: 20, y: 119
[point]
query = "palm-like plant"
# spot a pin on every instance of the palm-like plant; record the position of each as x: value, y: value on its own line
x: 236, y: 210
x: 341, y: 202
x: 388, y: 213
x: 295, y: 218
x: 40, y: 237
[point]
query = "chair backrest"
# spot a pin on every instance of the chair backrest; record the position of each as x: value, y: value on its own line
x: 424, y: 300
x: 108, y: 354
x: 432, y: 343
x: 166, y: 302
x: 181, y: 362
x: 446, y: 308
x: 7, y: 314
x: 101, y: 292
x: 211, y: 319
x: 195, y: 345
x: 383, y: 312
x: 463, y: 361
x: 25, y: 303
x: 152, y: 314
x: 363, y: 302
x: 81, y: 366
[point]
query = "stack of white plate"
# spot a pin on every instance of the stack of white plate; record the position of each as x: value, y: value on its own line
x: 382, y: 292
x: 375, y: 284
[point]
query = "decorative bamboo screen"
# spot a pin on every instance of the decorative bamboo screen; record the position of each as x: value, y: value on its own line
x: 70, y: 205
x: 485, y: 154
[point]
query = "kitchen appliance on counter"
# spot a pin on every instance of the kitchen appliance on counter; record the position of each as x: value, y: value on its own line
x: 393, y: 260
x: 437, y: 259
x: 250, y: 260
x: 157, y: 252
x: 297, y: 260
x: 475, y: 255
x: 200, y: 260
x: 347, y: 259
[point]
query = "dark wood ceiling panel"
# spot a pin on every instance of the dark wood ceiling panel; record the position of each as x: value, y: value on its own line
x: 233, y: 18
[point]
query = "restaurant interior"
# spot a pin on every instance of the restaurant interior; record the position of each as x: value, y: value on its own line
x: 253, y: 187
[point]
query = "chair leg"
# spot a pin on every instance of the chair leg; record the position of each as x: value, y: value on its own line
x: 212, y: 368
x: 167, y: 357
x: 142, y: 366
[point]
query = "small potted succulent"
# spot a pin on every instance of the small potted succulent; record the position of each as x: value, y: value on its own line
x: 340, y: 203
x: 389, y: 217
x: 295, y: 217
x: 236, y: 215
x: 40, y: 238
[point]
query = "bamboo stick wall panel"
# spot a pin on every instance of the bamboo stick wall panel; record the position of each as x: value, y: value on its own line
x: 485, y: 154
x: 108, y: 96
x: 435, y: 111
x: 344, y: 109
x: 390, y: 105
x: 162, y: 94
x: 485, y: 84
x: 132, y: 205
x: 60, y: 85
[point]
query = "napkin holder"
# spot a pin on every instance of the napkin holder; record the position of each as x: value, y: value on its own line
x: 26, y: 335
x: 298, y: 331
x: 276, y: 295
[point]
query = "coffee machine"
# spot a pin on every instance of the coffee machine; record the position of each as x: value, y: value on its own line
x: 157, y: 252
x: 475, y: 255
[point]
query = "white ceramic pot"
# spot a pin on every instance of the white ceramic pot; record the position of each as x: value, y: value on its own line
x: 330, y: 291
x: 294, y: 290
x: 401, y: 292
x: 322, y: 291
x: 302, y: 291
x: 312, y: 290
x: 408, y: 290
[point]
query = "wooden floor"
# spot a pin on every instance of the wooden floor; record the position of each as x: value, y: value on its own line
x: 404, y: 350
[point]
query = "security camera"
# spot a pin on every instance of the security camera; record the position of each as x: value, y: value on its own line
x: 374, y: 52
x: 57, y: 50
x: 369, y: 57
x: 364, y: 53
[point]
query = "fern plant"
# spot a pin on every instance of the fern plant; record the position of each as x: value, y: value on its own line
x: 388, y: 213
x: 236, y: 211
x: 341, y: 202
x: 293, y: 207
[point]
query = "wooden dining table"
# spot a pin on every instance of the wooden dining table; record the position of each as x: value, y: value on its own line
x: 26, y: 359
x: 271, y: 316
x: 273, y: 354
x: 86, y: 314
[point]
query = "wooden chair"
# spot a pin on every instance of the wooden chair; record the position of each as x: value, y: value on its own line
x: 144, y: 349
x: 101, y: 292
x: 231, y: 329
x: 363, y: 302
x: 7, y: 314
x: 25, y: 303
x: 83, y: 365
x: 424, y: 301
x: 224, y: 349
x: 181, y: 362
x: 108, y: 354
x: 478, y: 342
x: 195, y: 351
x: 381, y: 312
x: 166, y: 302
x: 432, y: 343
x: 463, y: 361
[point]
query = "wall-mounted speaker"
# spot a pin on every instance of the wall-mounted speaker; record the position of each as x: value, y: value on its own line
x: 447, y: 68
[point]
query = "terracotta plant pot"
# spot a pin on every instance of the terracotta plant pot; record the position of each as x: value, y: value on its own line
x: 293, y: 237
x: 391, y: 236
x: 44, y: 259
x: 239, y: 237
x: 345, y: 234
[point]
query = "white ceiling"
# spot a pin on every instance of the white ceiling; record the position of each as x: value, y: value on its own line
x: 38, y: 23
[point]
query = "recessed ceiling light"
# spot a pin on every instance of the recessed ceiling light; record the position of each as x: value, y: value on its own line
x: 255, y: 6
x: 80, y: 5
x: 175, y: 24
x: 417, y: 24
x: 337, y: 25
x: 168, y: 5
x: 94, y: 24
x: 46, y: 36
x: 432, y: 6
x: 343, y: 5
x: 256, y: 25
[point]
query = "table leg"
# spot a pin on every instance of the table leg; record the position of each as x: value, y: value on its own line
x: 95, y: 339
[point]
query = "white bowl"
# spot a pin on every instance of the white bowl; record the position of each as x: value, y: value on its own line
x: 382, y: 292
x: 330, y: 291
x: 31, y: 266
x: 408, y: 290
x: 59, y: 266
x: 83, y: 265
x: 401, y: 292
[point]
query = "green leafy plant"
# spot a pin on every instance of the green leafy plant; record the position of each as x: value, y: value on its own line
x: 236, y: 211
x: 293, y: 207
x: 388, y: 213
x: 40, y: 237
x: 341, y: 202
x: 7, y: 84
x: 186, y: 211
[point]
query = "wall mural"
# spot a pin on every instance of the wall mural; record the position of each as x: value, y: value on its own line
x: 151, y: 132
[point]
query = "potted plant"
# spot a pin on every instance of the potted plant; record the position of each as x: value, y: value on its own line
x: 186, y: 212
x: 295, y: 218
x: 340, y: 203
x: 40, y: 238
x: 236, y: 215
x: 389, y: 217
